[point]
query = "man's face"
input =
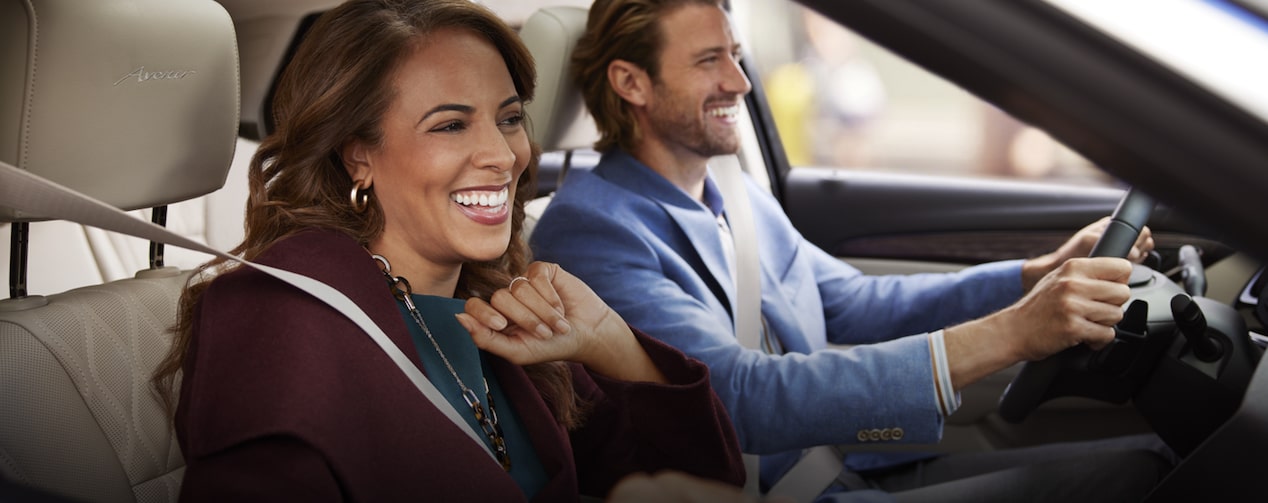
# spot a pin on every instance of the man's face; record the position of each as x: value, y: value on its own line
x: 696, y: 95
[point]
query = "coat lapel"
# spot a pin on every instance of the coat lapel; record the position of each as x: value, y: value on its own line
x: 549, y: 439
x: 690, y: 216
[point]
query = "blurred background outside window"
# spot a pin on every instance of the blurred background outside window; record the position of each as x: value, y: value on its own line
x: 839, y: 100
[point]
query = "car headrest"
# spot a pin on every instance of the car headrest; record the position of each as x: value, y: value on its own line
x: 557, y: 115
x: 133, y: 102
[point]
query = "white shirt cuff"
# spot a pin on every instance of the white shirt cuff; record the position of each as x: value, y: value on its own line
x: 948, y: 400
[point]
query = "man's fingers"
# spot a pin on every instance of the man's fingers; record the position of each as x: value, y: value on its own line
x: 1113, y: 269
x: 1097, y: 335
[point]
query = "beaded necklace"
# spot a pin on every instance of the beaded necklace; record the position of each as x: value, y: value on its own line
x: 488, y: 422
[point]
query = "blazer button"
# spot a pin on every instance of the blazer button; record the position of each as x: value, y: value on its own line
x: 862, y: 436
x: 874, y: 434
x: 887, y: 434
x: 897, y: 434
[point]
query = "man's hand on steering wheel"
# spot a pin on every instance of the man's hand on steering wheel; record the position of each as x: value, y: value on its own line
x: 1080, y: 245
x: 1125, y: 235
x: 1079, y: 302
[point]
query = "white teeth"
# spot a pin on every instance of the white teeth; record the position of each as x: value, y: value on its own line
x: 487, y: 199
x: 730, y: 111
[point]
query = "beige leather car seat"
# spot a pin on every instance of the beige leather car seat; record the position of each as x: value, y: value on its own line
x: 557, y: 116
x: 135, y: 103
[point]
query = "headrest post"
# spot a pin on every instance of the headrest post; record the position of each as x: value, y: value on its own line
x: 563, y: 171
x: 21, y: 232
x: 158, y: 215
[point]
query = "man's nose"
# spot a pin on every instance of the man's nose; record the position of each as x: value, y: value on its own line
x: 735, y: 81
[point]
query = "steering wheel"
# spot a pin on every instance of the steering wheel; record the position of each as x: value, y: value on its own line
x: 1033, y: 384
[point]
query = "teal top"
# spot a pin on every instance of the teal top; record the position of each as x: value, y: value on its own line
x: 468, y: 361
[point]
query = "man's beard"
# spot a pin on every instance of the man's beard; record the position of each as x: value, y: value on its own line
x: 677, y: 122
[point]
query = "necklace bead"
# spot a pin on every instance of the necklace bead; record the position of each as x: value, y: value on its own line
x: 488, y: 422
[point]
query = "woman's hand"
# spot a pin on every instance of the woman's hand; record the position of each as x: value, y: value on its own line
x: 548, y: 315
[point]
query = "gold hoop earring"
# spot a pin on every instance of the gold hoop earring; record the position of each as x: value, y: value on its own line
x: 360, y: 196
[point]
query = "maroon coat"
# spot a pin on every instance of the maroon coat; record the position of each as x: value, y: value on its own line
x: 284, y: 399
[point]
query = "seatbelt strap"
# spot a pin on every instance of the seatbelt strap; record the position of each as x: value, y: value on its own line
x: 819, y: 465
x: 38, y: 197
x: 748, y: 284
x: 748, y: 303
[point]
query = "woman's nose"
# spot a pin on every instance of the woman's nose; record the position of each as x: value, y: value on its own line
x: 494, y: 150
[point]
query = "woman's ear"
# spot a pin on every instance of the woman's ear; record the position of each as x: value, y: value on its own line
x: 629, y: 81
x: 356, y: 159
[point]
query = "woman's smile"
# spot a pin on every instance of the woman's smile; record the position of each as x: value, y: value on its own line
x: 483, y: 205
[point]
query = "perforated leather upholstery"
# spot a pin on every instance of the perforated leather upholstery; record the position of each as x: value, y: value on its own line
x: 81, y: 418
x: 135, y: 103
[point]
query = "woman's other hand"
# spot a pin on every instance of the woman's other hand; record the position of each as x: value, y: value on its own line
x: 548, y: 315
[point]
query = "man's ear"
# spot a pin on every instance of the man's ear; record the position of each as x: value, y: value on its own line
x: 630, y: 81
x: 356, y: 159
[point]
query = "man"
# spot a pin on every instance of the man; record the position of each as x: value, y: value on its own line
x: 647, y: 231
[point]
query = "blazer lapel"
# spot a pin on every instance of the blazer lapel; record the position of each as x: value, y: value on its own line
x: 689, y: 215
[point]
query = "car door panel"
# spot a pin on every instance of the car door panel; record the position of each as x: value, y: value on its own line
x: 892, y: 223
x: 955, y: 220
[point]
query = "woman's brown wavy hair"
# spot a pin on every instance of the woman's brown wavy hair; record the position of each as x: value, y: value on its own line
x: 336, y: 89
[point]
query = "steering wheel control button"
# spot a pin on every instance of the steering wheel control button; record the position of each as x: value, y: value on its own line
x: 1141, y: 276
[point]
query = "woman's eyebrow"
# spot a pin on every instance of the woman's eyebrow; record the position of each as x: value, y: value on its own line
x: 466, y: 109
x: 448, y: 107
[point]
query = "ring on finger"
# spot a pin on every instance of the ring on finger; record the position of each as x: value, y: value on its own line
x: 511, y: 286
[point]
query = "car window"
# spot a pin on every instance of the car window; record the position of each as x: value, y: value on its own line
x: 839, y: 100
x: 1167, y: 37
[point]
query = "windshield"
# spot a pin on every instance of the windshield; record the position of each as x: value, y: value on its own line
x: 1218, y: 44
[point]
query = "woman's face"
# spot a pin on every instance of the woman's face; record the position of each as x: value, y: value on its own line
x: 454, y: 145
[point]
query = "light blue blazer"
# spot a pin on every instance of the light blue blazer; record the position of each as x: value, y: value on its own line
x: 654, y: 254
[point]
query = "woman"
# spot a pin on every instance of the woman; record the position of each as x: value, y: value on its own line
x: 398, y: 175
